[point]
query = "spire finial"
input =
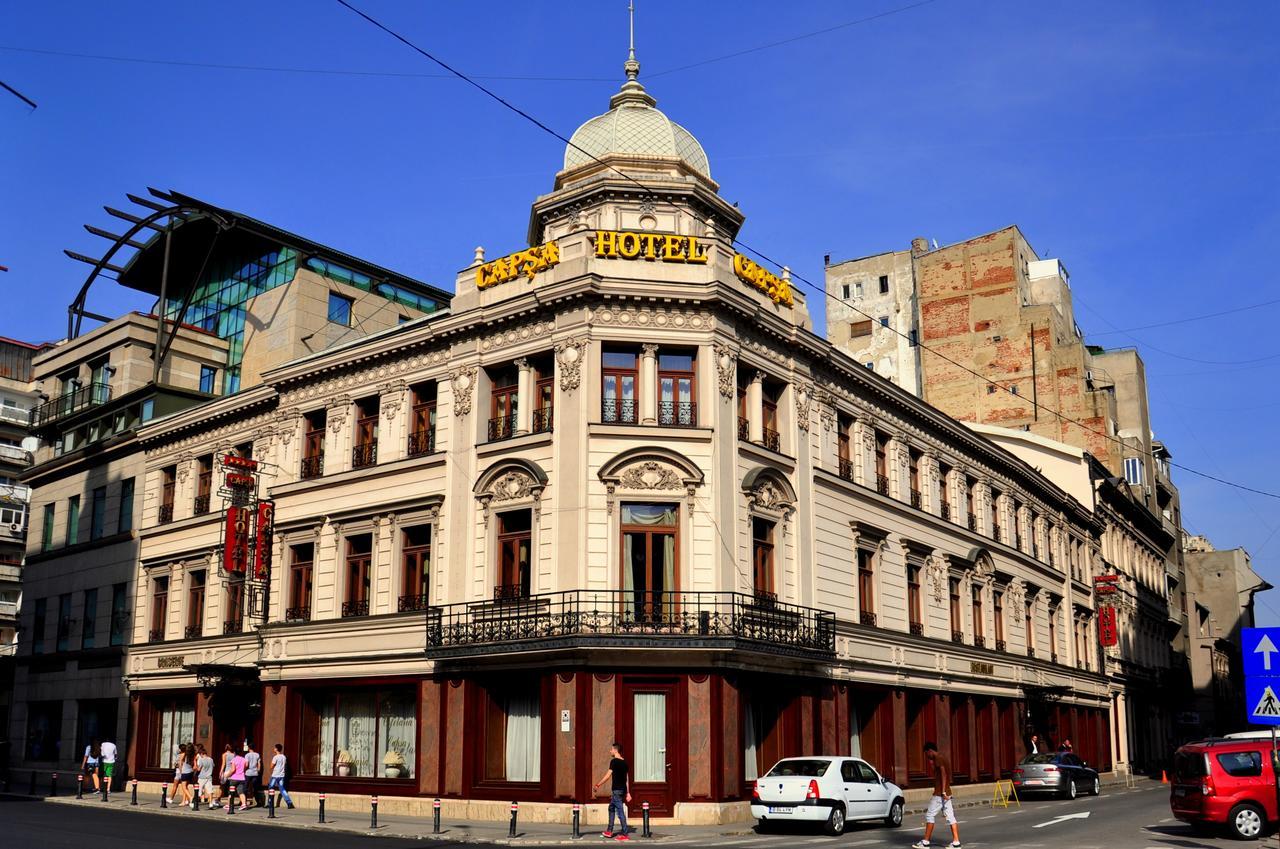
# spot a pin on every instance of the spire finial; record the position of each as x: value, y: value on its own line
x: 632, y: 67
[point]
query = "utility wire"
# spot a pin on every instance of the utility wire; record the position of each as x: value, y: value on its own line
x: 796, y: 276
x: 1194, y: 318
x: 18, y: 95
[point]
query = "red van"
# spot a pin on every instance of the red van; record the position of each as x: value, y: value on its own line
x: 1225, y: 782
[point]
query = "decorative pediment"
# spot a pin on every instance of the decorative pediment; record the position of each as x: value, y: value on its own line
x: 510, y: 482
x: 769, y: 491
x: 867, y: 536
x: 650, y: 474
x: 650, y: 470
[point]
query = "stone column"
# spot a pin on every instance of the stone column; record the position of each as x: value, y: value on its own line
x: 337, y: 441
x: 524, y: 397
x: 392, y: 438
x: 860, y: 437
x: 648, y: 388
x: 755, y: 408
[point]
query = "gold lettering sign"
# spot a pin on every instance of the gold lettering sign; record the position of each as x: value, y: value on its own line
x: 527, y: 262
x: 654, y: 247
x: 775, y: 287
x: 170, y: 661
x: 977, y: 667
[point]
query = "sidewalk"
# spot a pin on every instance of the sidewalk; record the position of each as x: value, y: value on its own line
x: 531, y: 834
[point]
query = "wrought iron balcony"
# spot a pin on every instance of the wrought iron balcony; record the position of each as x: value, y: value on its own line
x: 233, y: 626
x: 917, y: 628
x: 313, y: 466
x: 957, y: 637
x: 764, y: 598
x: 1031, y: 651
x: 980, y: 641
x: 192, y: 631
x: 771, y: 439
x: 973, y: 522
x: 995, y: 532
x: 945, y: 511
x: 542, y: 420
x: 413, y: 602
x: 166, y: 514
x: 201, y: 505
x: 297, y: 614
x: 882, y: 484
x: 613, y: 618
x: 422, y: 442
x: 916, y: 499
x: 744, y: 428
x: 867, y: 617
x: 155, y: 635
x: 510, y: 592
x: 355, y: 608
x: 93, y: 395
x: 364, y: 455
x: 1053, y: 658
x: 846, y: 468
x: 501, y: 427
x: 1001, y: 645
x: 678, y: 413
x: 618, y: 411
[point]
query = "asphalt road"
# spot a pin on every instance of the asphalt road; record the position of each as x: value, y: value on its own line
x: 1119, y: 819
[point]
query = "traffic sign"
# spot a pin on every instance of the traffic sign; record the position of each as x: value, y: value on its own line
x: 1261, y: 650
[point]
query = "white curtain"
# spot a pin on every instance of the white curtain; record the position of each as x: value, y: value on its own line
x: 328, y: 722
x: 524, y: 738
x: 855, y: 731
x: 177, y: 726
x: 357, y: 734
x: 398, y: 731
x: 651, y: 737
x: 751, y: 744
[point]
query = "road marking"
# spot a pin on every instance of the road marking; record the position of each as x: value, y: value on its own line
x: 988, y: 817
x: 1080, y: 816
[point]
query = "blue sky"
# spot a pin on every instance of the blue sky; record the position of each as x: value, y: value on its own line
x: 1139, y: 143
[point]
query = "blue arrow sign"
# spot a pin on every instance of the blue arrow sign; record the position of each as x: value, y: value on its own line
x: 1261, y: 650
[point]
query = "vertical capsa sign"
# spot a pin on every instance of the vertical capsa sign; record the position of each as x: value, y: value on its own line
x: 654, y: 247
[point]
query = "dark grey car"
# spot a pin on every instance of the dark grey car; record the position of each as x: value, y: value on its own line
x: 1060, y: 773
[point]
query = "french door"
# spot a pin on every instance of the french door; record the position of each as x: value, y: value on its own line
x: 649, y: 730
x: 649, y: 561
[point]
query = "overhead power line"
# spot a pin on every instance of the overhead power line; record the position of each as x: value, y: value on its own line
x: 18, y: 95
x: 795, y: 276
x: 1189, y: 320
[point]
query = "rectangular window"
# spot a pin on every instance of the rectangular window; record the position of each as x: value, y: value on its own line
x: 884, y: 284
x: 859, y: 329
x: 884, y: 321
x: 677, y: 389
x: 504, y: 397
x: 998, y: 604
x: 361, y: 733
x: 422, y: 420
x: 124, y: 523
x: 770, y: 397
x: 882, y: 463
x: 119, y: 613
x: 313, y: 445
x: 208, y: 379
x: 915, y: 599
x: 650, y: 571
x: 301, y: 558
x: 195, y: 604
x: 979, y: 633
x: 204, y: 483
x: 857, y: 290
x: 233, y: 620
x: 359, y: 557
x: 174, y: 724
x: 1133, y: 471
x: 762, y: 556
x: 957, y: 624
x: 620, y: 377
x: 44, y: 731
x: 39, y: 624
x: 1029, y: 622
x: 98, y: 514
x: 168, y: 485
x: 416, y: 559
x: 913, y: 470
x: 866, y: 586
x: 944, y: 490
x: 1053, y: 632
x: 1241, y: 764
x: 513, y: 734
x: 340, y: 309
x: 159, y: 609
x: 73, y: 520
x: 365, y: 451
x: 844, y: 291
x: 89, y: 628
x: 46, y: 530
x: 515, y: 539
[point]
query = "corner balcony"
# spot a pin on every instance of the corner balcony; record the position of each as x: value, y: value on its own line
x: 574, y: 619
x: 84, y: 398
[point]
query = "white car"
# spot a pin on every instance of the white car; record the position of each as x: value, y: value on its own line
x: 829, y: 790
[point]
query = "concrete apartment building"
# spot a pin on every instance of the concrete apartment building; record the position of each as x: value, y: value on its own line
x: 618, y: 491
x: 98, y: 388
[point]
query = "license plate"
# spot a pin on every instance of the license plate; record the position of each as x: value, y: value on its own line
x: 1033, y: 781
x: 1179, y: 791
x: 773, y: 810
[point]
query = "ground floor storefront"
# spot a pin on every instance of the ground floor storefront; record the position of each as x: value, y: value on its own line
x: 695, y: 740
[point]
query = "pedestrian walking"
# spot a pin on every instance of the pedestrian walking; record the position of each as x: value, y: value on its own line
x: 107, y: 762
x: 279, y: 770
x: 941, y: 801
x: 224, y: 771
x: 1066, y: 745
x: 89, y: 763
x: 186, y: 772
x: 1034, y: 746
x: 235, y: 782
x: 619, y: 776
x: 204, y: 775
x: 252, y: 773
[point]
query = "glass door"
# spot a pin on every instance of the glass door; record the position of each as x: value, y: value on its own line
x: 649, y: 556
x: 651, y: 737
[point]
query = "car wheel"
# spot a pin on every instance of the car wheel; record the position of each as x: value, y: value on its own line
x: 1245, y: 822
x: 835, y: 822
x: 1097, y: 786
x: 1071, y: 788
x: 894, y: 820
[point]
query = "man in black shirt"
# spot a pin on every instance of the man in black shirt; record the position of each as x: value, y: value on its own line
x: 620, y: 795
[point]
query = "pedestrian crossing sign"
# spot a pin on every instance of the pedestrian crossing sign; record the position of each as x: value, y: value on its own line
x: 1268, y: 704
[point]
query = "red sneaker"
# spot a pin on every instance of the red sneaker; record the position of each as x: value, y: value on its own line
x: 621, y: 837
x: 606, y: 834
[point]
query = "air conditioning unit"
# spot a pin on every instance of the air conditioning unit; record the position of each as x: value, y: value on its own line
x: 16, y: 527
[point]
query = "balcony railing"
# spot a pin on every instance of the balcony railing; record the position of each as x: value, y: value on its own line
x: 868, y: 618
x: 995, y: 532
x: 233, y: 626
x: 945, y: 510
x: 1053, y: 658
x: 510, y: 592
x: 1001, y: 645
x: 14, y: 454
x: 973, y: 522
x: 678, y: 413
x: 916, y: 499
x: 413, y: 602
x: 917, y: 628
x: 93, y: 395
x: 628, y: 618
x: 771, y: 439
x: 980, y: 641
x: 542, y: 420
x: 201, y: 505
x: 312, y: 467
x: 166, y: 514
x: 1031, y: 651
x: 846, y: 469
x: 618, y: 411
x: 297, y: 614
x: 882, y: 484
x: 422, y: 442
x: 15, y: 416
x: 192, y: 631
x: 355, y: 608
x: 364, y: 455
x: 502, y: 427
x: 155, y: 635
x: 957, y: 636
x: 18, y: 493
x: 744, y: 428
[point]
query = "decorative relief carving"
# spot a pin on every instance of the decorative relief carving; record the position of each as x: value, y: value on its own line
x: 650, y: 475
x: 514, y: 335
x: 726, y: 361
x: 637, y: 317
x: 512, y: 485
x: 392, y: 393
x: 826, y: 408
x: 649, y: 349
x: 184, y: 468
x: 569, y: 356
x: 804, y: 395
x: 767, y: 495
x: 938, y: 579
x: 463, y: 381
x: 1016, y: 596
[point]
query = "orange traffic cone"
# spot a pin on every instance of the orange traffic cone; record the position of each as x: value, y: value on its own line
x: 1164, y: 777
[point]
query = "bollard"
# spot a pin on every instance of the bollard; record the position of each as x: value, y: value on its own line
x: 106, y: 786
x: 164, y: 795
x: 53, y: 785
x: 577, y: 820
x: 321, y: 807
x: 133, y: 793
x: 231, y: 801
x: 32, y: 791
x: 644, y: 809
x: 515, y: 809
x: 80, y: 786
x: 435, y: 817
x: 373, y: 812
x: 271, y: 803
x: 195, y: 798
